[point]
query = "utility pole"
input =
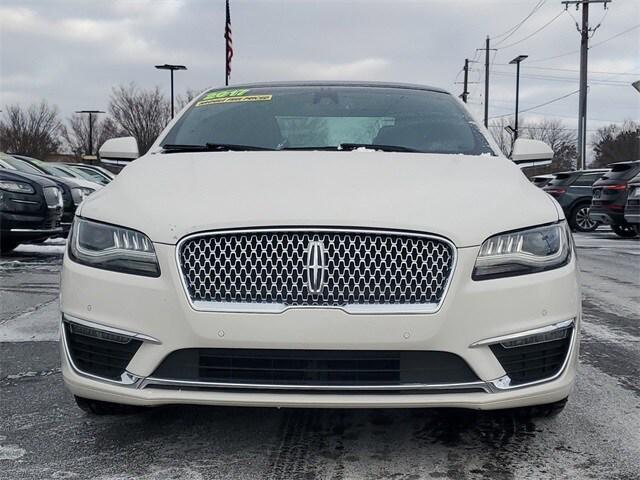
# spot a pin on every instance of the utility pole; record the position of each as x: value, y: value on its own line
x: 584, y: 49
x: 486, y: 80
x: 465, y: 91
x: 486, y: 83
x: 90, y: 112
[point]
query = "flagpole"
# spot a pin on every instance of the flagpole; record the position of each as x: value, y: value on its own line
x: 228, y: 49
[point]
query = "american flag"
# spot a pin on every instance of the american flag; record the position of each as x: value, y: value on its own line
x: 229, y: 44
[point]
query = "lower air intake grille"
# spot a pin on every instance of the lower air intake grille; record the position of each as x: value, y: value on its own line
x: 530, y: 363
x: 314, y: 367
x: 99, y: 353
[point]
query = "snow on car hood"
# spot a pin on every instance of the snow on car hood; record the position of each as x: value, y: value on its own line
x: 463, y: 198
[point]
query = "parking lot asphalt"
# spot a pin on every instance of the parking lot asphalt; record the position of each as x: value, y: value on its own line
x: 44, y: 435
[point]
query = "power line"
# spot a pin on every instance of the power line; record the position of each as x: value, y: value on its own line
x: 535, y: 32
x: 576, y: 51
x: 540, y: 105
x: 535, y: 76
x: 515, y: 28
x: 575, y: 70
x: 615, y: 36
x: 553, y: 57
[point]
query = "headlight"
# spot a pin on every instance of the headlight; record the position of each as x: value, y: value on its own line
x: 80, y: 193
x: 525, y: 251
x: 112, y: 248
x: 16, y: 187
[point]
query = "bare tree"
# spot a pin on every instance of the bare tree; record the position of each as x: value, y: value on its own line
x: 35, y: 131
x: 500, y: 135
x: 140, y: 113
x: 182, y: 100
x: 616, y: 143
x: 561, y: 139
x: 77, y: 135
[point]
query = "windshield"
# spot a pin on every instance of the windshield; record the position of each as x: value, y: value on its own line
x: 91, y: 175
x: 63, y: 173
x: 622, y: 171
x: 21, y: 165
x: 560, y: 180
x: 326, y: 117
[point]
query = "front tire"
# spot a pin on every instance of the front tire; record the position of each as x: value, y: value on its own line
x: 579, y: 219
x: 624, y: 231
x: 548, y: 410
x: 98, y: 407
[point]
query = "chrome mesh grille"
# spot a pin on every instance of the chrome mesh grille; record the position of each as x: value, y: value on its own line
x: 271, y: 268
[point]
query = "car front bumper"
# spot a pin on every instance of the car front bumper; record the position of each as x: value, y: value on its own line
x: 26, y: 227
x: 473, y: 311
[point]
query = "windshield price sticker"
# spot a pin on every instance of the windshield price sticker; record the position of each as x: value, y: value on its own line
x: 231, y: 96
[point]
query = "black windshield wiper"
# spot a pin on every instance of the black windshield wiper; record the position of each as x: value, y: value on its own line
x: 210, y: 147
x: 327, y: 147
x: 374, y: 146
x: 347, y: 147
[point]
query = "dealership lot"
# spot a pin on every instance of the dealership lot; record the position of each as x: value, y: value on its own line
x: 44, y: 435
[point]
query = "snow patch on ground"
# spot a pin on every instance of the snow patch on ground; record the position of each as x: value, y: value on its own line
x: 604, y: 333
x: 10, y: 452
x: 40, y: 248
x: 171, y: 473
x: 39, y: 325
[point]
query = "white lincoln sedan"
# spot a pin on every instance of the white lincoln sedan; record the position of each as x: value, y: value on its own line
x: 321, y: 245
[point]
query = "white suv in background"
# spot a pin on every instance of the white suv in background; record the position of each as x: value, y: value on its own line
x: 321, y: 245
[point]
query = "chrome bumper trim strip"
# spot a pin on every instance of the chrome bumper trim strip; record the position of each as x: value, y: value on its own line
x: 527, y: 333
x: 35, y: 230
x: 275, y: 308
x: 118, y: 331
x: 151, y: 381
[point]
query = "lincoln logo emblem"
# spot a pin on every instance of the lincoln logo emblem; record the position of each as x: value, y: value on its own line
x: 316, y: 267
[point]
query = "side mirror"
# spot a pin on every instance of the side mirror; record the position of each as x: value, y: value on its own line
x: 529, y: 153
x: 119, y: 151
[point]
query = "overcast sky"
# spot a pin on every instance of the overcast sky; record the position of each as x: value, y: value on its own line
x: 72, y: 52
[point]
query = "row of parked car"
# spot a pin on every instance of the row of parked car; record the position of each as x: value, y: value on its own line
x: 590, y: 198
x: 38, y: 199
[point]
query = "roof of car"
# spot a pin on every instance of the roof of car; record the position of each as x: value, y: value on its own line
x: 591, y: 170
x: 16, y: 175
x: 325, y: 83
x: 627, y: 162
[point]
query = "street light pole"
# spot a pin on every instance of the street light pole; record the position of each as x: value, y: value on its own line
x: 517, y: 61
x: 90, y: 113
x: 171, y: 68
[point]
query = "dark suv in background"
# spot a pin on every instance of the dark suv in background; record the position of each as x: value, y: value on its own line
x: 573, y: 192
x: 72, y: 192
x: 542, y: 180
x: 632, y: 209
x: 30, y: 209
x: 610, y: 197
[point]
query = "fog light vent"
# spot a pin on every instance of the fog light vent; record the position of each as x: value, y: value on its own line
x: 98, y: 352
x: 534, y: 357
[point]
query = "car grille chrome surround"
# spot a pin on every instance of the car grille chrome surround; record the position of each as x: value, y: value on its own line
x: 356, y: 270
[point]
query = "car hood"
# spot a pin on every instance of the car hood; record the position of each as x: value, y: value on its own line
x: 464, y: 198
x: 5, y: 173
x: 81, y: 182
